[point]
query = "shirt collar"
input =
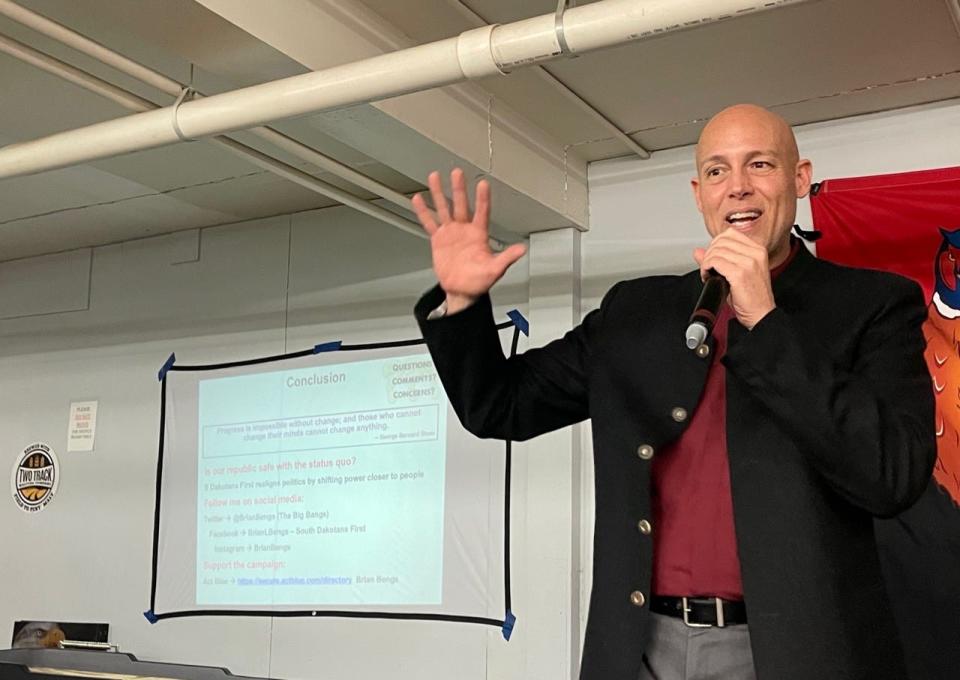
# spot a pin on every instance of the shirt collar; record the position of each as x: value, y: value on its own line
x: 794, y: 247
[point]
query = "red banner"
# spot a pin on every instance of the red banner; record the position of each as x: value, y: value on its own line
x: 909, y: 223
x: 888, y: 222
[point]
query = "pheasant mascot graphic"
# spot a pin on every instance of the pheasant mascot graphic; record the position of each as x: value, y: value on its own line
x: 942, y: 333
x: 909, y: 223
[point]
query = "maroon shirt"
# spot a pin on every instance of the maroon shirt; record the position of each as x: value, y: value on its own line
x: 694, y: 541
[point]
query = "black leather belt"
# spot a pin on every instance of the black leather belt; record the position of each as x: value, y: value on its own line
x: 700, y: 612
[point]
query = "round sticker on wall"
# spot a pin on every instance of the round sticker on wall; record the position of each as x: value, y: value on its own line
x: 35, y: 478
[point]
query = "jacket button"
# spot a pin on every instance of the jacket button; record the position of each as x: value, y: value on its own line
x: 644, y: 526
x: 703, y: 351
x: 637, y: 599
x: 679, y: 414
x: 645, y: 451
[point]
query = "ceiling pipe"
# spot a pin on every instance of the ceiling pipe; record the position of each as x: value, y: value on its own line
x: 67, y: 36
x: 474, y: 54
x: 72, y: 74
x: 145, y: 74
x: 572, y: 96
x: 133, y: 102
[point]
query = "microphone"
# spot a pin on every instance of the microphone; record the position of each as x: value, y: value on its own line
x: 715, y: 290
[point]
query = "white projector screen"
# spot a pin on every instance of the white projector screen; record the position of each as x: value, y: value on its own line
x: 328, y: 483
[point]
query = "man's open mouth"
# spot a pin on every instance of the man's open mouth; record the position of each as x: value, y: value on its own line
x: 743, y: 218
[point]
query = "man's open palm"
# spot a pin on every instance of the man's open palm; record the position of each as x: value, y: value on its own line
x: 465, y: 266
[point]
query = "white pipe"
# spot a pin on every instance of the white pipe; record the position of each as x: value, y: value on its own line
x: 310, y: 182
x: 81, y: 43
x: 476, y: 53
x: 74, y: 75
x: 569, y: 94
x: 91, y: 48
x: 90, y: 82
x: 335, y: 167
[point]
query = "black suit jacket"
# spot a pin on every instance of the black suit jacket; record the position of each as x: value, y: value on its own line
x: 829, y: 424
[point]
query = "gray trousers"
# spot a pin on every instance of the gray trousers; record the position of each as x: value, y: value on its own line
x: 677, y: 652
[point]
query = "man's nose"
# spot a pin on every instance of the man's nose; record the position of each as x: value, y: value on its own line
x: 740, y: 184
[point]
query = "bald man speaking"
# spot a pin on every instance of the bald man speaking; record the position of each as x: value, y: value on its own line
x: 736, y: 484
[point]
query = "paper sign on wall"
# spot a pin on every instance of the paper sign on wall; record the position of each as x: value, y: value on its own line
x: 83, y: 425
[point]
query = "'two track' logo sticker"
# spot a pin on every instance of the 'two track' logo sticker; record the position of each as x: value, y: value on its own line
x: 35, y: 478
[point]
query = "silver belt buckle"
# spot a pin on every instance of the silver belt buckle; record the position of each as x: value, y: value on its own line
x: 686, y: 615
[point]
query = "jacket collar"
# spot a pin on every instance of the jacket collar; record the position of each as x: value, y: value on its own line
x: 789, y: 284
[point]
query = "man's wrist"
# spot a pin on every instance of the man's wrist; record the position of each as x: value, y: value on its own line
x: 458, y: 303
x: 450, y: 305
x: 438, y: 312
x: 760, y: 318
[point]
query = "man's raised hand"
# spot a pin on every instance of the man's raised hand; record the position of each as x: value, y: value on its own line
x: 465, y: 266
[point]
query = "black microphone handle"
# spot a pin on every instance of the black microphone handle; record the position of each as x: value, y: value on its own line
x: 715, y: 291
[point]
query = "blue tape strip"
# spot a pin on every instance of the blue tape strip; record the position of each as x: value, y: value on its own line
x: 508, y: 622
x: 166, y: 367
x: 327, y: 347
x: 150, y: 616
x: 517, y: 318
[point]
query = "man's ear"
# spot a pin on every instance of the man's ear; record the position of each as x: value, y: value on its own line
x: 695, y: 185
x: 804, y: 177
